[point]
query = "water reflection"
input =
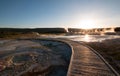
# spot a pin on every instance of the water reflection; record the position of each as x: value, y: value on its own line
x: 89, y: 38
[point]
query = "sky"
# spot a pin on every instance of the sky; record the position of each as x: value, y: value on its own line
x: 59, y: 13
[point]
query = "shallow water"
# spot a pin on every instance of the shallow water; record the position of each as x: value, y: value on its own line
x: 90, y: 38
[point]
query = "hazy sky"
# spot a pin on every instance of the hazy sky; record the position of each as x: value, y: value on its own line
x: 59, y: 13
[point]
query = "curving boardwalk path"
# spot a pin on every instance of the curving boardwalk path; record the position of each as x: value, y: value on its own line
x: 84, y: 62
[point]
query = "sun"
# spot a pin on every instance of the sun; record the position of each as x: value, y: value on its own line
x: 87, y: 24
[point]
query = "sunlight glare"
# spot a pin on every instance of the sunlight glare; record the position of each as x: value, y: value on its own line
x: 87, y: 24
x: 87, y: 38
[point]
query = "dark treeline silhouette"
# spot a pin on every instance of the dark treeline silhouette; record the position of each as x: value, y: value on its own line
x: 117, y: 29
x: 85, y: 30
x: 10, y: 32
x: 39, y: 30
x: 75, y: 29
x: 95, y: 31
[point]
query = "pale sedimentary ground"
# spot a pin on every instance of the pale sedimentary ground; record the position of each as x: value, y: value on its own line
x: 32, y: 57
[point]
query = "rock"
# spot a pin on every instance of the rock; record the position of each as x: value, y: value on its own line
x: 35, y: 69
x: 2, y: 67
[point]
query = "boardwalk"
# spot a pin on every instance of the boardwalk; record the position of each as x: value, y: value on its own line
x: 85, y: 62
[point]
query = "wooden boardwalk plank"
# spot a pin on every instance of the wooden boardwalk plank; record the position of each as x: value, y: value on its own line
x: 85, y: 62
